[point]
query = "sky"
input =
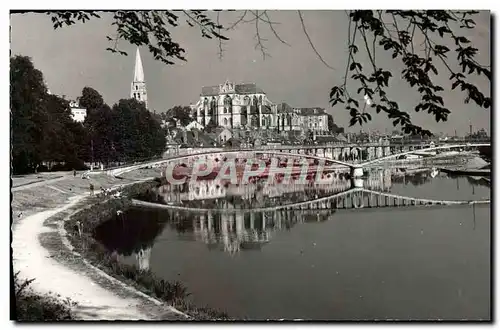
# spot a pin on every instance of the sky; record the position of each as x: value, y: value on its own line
x: 74, y: 57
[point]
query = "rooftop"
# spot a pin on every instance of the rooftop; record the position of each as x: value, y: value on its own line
x: 284, y: 107
x: 238, y: 89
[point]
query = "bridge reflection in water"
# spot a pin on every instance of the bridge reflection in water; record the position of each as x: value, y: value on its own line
x: 233, y: 218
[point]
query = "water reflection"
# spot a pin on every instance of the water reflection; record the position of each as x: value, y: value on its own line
x: 260, y: 194
x: 134, y: 232
x: 249, y: 231
x: 355, y: 264
x: 131, y: 233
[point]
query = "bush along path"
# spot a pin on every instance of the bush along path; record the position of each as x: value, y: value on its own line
x: 32, y: 307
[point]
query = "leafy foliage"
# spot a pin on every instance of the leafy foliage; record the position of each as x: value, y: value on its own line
x: 43, y: 130
x: 392, y: 32
x: 136, y: 134
x: 42, y: 127
x: 147, y: 28
x: 181, y: 113
x: 373, y: 28
x: 34, y: 308
x: 91, y: 99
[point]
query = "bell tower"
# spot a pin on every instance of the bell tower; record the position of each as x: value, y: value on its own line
x: 138, y: 90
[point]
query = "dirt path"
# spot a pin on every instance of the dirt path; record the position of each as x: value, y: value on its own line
x: 33, y: 261
x: 97, y: 296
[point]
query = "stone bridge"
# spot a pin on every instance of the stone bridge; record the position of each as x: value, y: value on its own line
x: 322, y: 154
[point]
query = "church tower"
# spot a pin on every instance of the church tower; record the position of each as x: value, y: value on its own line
x: 138, y: 91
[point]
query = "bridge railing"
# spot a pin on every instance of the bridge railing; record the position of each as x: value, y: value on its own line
x: 173, y: 153
x: 339, y: 144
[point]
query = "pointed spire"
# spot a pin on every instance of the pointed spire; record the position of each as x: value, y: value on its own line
x: 138, y: 88
x: 138, y: 72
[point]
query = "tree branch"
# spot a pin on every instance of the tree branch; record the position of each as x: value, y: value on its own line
x: 311, y: 43
x: 203, y: 28
x: 238, y: 21
x: 221, y: 50
x: 260, y: 39
x: 274, y: 31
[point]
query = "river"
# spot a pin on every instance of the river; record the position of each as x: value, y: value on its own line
x: 404, y: 263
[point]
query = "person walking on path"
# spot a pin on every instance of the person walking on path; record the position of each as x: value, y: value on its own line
x: 91, y: 187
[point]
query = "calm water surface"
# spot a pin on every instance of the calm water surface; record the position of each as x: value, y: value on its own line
x: 377, y: 263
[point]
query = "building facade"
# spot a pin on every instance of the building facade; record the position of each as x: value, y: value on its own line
x: 78, y: 113
x: 302, y: 119
x: 233, y: 105
x: 314, y: 119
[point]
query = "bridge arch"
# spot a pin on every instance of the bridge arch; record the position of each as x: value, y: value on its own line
x: 378, y: 160
x: 277, y: 152
x: 232, y: 152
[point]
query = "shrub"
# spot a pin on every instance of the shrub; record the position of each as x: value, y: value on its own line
x: 31, y: 307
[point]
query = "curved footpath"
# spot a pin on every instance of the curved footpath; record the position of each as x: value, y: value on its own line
x: 42, y: 251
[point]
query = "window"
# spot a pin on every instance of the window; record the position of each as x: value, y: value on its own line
x: 225, y: 119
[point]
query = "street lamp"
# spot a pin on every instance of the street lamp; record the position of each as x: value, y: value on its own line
x: 91, y: 131
x: 92, y: 153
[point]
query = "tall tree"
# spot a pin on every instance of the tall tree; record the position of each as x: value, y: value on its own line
x: 136, y: 134
x: 181, y: 113
x: 98, y: 124
x: 43, y: 129
x: 81, y: 144
x: 58, y: 143
x: 29, y: 115
x: 91, y: 99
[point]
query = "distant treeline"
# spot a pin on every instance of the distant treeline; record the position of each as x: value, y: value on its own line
x: 44, y: 132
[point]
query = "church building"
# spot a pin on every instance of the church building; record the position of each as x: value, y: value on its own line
x: 138, y: 88
x: 233, y: 105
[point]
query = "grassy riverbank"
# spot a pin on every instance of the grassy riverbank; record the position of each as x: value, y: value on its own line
x: 80, y: 231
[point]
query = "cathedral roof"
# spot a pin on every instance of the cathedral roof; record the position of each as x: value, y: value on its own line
x: 238, y: 89
x: 284, y: 108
